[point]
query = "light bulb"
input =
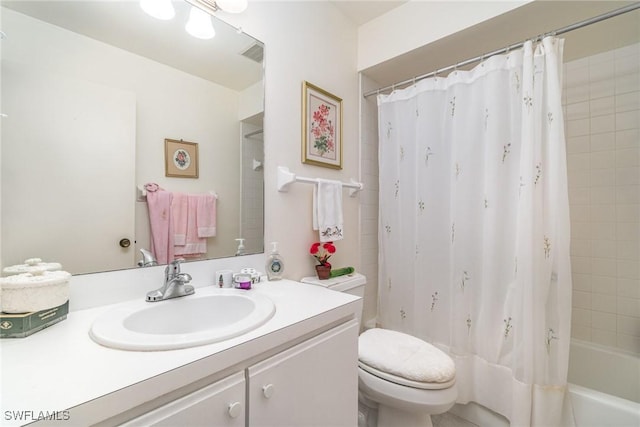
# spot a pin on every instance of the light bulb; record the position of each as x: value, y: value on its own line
x: 160, y: 9
x: 232, y: 6
x: 199, y: 24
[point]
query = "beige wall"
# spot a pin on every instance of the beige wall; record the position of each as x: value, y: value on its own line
x: 309, y: 41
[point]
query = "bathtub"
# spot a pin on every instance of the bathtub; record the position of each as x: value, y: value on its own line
x: 604, y: 390
x: 604, y: 386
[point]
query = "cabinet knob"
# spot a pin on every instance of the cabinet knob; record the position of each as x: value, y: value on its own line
x: 268, y: 390
x: 235, y: 409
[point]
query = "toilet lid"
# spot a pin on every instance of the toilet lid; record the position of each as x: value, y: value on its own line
x: 403, y: 381
x: 404, y: 356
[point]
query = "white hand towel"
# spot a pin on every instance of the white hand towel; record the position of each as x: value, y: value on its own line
x: 327, y: 210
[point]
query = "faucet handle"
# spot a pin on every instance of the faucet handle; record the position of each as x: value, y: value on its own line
x: 173, y: 269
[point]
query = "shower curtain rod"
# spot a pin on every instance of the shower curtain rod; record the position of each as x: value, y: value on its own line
x: 559, y: 31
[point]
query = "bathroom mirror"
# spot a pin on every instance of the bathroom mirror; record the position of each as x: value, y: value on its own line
x: 90, y: 92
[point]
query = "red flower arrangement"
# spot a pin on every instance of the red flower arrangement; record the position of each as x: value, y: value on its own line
x: 322, y: 252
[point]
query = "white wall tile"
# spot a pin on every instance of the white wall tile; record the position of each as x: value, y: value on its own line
x: 629, y: 138
x: 578, y: 144
x: 603, y: 284
x: 602, y: 141
x: 606, y: 304
x: 603, y: 321
x: 628, y: 213
x: 602, y: 106
x: 626, y: 306
x: 627, y: 101
x: 629, y: 288
x: 580, y: 161
x: 625, y: 120
x: 623, y: 83
x: 580, y: 247
x: 629, y: 325
x: 604, y: 267
x: 581, y: 299
x: 604, y: 249
x: 602, y: 213
x: 627, y: 194
x: 577, y: 127
x: 605, y: 123
x: 603, y: 159
x: 606, y: 338
x: 628, y: 249
x: 582, y: 282
x: 628, y: 269
x: 581, y: 317
x: 576, y: 111
x: 603, y: 195
x: 602, y: 88
x: 628, y: 176
x: 602, y: 177
x: 628, y: 343
x: 627, y: 231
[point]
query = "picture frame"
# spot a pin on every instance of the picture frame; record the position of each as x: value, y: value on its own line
x: 180, y: 159
x: 321, y: 127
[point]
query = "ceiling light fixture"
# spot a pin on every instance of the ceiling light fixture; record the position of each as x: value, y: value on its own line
x: 199, y: 24
x: 160, y: 9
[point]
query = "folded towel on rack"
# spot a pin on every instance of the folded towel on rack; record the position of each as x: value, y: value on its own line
x: 180, y: 212
x: 206, y: 215
x: 194, y: 221
x: 161, y: 222
x: 327, y: 210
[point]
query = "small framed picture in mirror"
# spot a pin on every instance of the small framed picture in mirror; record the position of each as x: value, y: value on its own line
x: 321, y: 127
x: 180, y: 158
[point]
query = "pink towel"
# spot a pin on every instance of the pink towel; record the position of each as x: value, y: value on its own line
x: 206, y: 215
x: 180, y: 212
x: 194, y: 221
x: 161, y: 221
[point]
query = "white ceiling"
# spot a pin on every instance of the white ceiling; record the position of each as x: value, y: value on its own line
x: 362, y: 11
x: 123, y: 24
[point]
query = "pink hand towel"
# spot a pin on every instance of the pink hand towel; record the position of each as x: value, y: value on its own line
x: 180, y: 212
x: 206, y: 215
x: 188, y: 224
x: 161, y: 221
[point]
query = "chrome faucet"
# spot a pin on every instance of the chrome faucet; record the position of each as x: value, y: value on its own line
x: 148, y: 260
x: 175, y: 284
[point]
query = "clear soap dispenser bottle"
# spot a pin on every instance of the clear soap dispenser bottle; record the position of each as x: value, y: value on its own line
x: 241, y: 249
x: 275, y: 263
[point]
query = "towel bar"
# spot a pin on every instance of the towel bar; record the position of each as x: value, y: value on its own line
x: 285, y: 177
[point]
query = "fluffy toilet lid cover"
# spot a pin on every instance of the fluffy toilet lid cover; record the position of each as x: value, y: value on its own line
x: 405, y: 356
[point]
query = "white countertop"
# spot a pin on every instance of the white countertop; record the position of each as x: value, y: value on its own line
x: 62, y: 368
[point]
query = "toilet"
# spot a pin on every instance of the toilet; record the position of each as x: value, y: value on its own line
x: 405, y: 378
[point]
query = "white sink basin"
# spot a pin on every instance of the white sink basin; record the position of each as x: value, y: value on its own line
x: 208, y: 316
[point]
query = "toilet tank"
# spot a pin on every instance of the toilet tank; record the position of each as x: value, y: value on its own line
x: 350, y: 283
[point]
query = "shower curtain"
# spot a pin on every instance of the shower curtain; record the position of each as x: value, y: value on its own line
x: 474, y: 227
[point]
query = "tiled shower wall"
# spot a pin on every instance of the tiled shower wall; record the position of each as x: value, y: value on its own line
x: 601, y: 95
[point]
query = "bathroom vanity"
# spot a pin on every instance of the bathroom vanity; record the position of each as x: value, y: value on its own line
x: 299, y: 368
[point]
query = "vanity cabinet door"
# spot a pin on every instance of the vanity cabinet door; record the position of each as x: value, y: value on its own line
x: 219, y: 404
x: 314, y: 383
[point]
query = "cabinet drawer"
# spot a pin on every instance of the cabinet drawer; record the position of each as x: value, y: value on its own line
x: 219, y: 404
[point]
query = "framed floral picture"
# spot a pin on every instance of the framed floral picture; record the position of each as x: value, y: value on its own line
x: 180, y: 158
x: 321, y: 127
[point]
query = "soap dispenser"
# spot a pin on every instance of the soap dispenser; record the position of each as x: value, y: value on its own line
x: 240, y: 250
x: 275, y: 263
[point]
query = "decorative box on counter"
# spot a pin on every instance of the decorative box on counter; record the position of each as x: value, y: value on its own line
x: 24, y: 324
x: 36, y: 291
x: 31, y: 265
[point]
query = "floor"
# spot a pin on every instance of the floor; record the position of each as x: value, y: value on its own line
x: 450, y: 420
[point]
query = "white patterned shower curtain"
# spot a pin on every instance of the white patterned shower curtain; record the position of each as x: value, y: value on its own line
x: 474, y: 227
